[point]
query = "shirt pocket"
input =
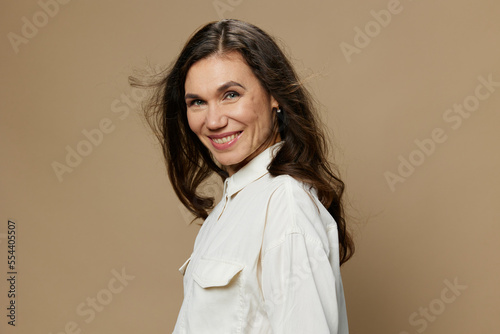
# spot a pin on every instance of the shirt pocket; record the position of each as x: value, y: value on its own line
x: 217, y: 302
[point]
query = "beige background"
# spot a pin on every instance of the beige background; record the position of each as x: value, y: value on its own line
x: 116, y: 211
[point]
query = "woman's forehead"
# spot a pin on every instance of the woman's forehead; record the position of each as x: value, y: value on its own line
x: 217, y: 70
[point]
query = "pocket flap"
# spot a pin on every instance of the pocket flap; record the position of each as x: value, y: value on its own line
x: 182, y: 269
x: 215, y: 272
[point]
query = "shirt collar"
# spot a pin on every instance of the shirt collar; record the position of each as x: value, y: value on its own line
x: 252, y: 171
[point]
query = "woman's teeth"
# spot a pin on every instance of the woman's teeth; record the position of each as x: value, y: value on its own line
x: 225, y: 139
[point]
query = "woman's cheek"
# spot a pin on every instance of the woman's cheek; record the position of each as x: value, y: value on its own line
x: 193, y: 122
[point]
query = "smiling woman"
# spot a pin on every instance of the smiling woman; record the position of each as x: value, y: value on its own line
x: 231, y: 114
x: 267, y: 257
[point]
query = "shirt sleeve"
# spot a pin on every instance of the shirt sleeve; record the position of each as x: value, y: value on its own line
x: 302, y: 288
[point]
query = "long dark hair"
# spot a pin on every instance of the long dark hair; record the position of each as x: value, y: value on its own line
x: 304, y: 151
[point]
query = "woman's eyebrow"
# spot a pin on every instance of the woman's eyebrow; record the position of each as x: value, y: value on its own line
x: 222, y: 88
x: 228, y: 84
x: 191, y: 96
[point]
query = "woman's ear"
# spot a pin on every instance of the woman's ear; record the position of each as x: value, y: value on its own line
x: 274, y: 103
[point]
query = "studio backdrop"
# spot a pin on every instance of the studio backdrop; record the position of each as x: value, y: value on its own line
x: 92, y: 234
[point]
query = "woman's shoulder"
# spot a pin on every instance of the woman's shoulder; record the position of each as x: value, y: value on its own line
x: 294, y: 208
x: 291, y: 191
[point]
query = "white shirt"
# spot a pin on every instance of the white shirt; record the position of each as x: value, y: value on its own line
x: 266, y: 260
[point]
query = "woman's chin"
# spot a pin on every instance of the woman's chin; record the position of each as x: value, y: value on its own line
x: 230, y: 165
x: 229, y: 157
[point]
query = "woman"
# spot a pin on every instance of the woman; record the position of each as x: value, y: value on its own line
x: 267, y: 257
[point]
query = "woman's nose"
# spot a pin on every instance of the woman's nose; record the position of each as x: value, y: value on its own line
x: 216, y: 119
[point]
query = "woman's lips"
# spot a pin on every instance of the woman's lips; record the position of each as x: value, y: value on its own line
x: 225, y: 140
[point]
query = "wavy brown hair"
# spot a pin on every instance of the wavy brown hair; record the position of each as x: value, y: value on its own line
x: 303, y: 154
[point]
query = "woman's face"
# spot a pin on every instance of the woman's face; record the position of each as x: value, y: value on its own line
x: 229, y: 110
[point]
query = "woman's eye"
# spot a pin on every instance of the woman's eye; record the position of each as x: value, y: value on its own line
x: 232, y: 95
x: 196, y: 103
